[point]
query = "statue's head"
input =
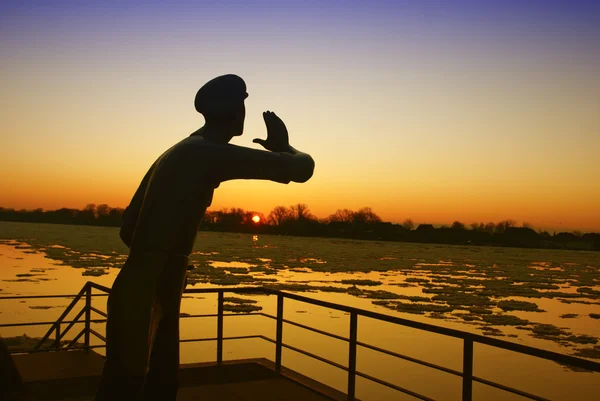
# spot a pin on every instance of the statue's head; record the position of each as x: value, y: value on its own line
x: 221, y: 102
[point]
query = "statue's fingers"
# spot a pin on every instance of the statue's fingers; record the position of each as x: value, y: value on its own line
x: 259, y: 141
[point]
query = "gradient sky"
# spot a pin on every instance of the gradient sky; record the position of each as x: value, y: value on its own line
x: 433, y: 110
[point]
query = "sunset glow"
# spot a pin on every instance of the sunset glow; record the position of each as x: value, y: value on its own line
x: 434, y: 111
x: 256, y: 219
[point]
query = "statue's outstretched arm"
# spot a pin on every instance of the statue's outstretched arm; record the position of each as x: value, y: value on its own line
x: 236, y: 162
x: 281, y: 163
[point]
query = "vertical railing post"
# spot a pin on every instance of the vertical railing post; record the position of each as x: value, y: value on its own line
x: 57, y: 341
x: 88, y: 315
x: 467, y: 393
x: 352, y: 356
x: 220, y: 328
x: 279, y: 333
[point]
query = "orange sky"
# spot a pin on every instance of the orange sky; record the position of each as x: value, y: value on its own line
x: 434, y: 116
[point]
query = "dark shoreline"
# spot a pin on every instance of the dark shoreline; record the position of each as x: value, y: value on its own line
x: 513, y: 237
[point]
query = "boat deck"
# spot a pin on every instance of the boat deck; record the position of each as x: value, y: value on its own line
x: 74, y: 376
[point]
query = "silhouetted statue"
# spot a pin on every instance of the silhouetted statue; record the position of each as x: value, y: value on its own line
x: 160, y: 227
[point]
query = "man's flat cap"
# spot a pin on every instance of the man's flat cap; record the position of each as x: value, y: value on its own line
x: 221, y: 94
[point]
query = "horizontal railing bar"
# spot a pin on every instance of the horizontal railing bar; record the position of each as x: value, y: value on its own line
x: 317, y: 357
x: 98, y: 311
x: 46, y: 296
x: 408, y: 358
x: 100, y: 336
x: 49, y: 323
x: 326, y: 333
x: 72, y: 323
x: 267, y: 315
x: 191, y: 340
x: 188, y: 340
x: 205, y: 315
x: 393, y: 386
x: 537, y: 352
x: 225, y: 314
x: 509, y: 389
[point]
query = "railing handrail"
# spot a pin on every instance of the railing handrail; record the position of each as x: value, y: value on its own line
x: 507, y: 345
x: 468, y: 338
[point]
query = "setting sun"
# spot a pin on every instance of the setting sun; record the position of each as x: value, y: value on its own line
x: 256, y: 218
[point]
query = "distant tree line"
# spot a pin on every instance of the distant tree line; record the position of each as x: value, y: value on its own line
x: 344, y: 223
x: 90, y: 215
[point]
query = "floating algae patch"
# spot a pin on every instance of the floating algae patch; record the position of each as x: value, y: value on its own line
x: 589, y: 352
x: 504, y: 320
x: 232, y: 279
x: 420, y: 309
x: 582, y: 339
x: 380, y: 294
x: 362, y: 282
x: 417, y: 280
x: 492, y: 331
x: 480, y: 311
x: 548, y: 330
x: 510, y: 305
x: 462, y: 299
x: 589, y: 292
x: 290, y: 287
x: 467, y: 317
x: 241, y: 308
x: 94, y: 272
x: 237, y: 300
x: 326, y: 288
x: 543, y: 286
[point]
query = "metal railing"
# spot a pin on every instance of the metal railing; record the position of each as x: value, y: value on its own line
x: 469, y: 339
x: 56, y: 326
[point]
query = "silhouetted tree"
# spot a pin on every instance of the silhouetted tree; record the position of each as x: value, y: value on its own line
x: 490, y: 228
x: 366, y: 216
x: 457, y: 225
x: 408, y: 224
x: 342, y: 216
x: 505, y: 224
x: 279, y: 215
x: 301, y: 212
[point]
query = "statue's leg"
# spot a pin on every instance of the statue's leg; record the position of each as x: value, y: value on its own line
x: 162, y: 380
x: 127, y: 338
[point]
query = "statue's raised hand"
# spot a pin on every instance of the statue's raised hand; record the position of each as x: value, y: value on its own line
x: 277, y: 134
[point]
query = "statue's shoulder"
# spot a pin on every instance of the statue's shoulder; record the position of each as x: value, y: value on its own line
x: 192, y: 144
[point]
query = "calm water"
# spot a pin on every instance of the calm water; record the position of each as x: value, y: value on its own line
x: 38, y: 259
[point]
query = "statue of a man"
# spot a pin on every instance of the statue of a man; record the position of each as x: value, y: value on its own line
x: 160, y: 226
